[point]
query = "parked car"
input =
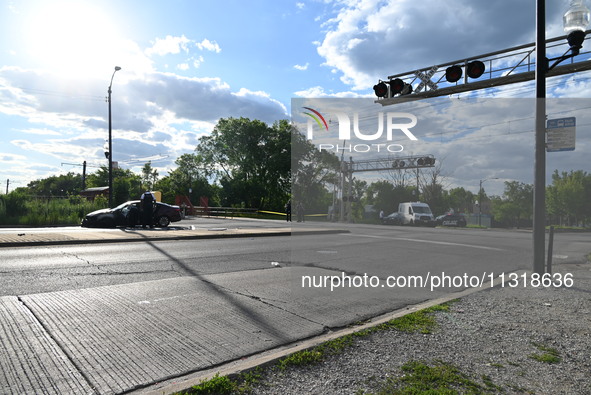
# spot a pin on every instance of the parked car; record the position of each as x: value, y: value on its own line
x: 393, y: 219
x: 164, y: 214
x: 451, y: 219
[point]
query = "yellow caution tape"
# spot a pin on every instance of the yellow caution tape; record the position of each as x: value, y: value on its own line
x: 307, y: 215
x: 271, y: 212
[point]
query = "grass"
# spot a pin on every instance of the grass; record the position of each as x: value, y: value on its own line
x: 224, y: 385
x: 27, y: 211
x: 422, y: 321
x: 440, y: 378
x: 547, y: 355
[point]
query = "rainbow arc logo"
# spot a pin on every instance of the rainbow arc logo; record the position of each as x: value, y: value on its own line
x: 315, y: 115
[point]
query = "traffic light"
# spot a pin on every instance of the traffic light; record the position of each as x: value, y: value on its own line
x: 398, y: 164
x: 453, y: 73
x: 397, y: 86
x: 426, y: 161
x: 475, y: 69
x: 381, y: 89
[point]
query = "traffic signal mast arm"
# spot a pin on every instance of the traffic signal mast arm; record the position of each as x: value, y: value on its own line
x: 396, y: 163
x: 494, y: 68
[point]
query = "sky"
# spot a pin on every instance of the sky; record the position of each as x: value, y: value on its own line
x: 187, y: 63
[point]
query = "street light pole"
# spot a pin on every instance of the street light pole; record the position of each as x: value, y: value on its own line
x: 117, y: 68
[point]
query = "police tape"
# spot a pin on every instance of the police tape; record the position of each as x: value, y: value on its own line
x: 276, y: 213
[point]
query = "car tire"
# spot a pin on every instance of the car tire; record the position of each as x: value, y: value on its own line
x: 163, y: 221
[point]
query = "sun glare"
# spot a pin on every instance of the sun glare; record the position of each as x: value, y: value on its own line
x: 73, y: 38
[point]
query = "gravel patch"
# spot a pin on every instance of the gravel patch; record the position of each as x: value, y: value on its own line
x: 490, y: 336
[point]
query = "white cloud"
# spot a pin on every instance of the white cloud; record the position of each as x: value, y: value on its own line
x: 209, y: 46
x: 152, y: 114
x: 301, y: 67
x: 197, y: 61
x: 41, y: 132
x: 371, y: 39
x: 318, y: 91
x: 169, y: 45
x: 7, y: 158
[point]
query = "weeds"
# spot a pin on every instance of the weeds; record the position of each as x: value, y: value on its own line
x: 421, y: 321
x: 216, y: 385
x: 548, y: 355
x: 441, y: 378
x: 20, y: 209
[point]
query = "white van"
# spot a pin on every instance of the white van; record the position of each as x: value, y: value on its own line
x: 416, y: 213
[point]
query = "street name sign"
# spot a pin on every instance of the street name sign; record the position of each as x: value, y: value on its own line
x: 561, y: 134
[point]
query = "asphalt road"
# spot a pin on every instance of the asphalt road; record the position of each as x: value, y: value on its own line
x: 123, y: 316
x: 376, y: 251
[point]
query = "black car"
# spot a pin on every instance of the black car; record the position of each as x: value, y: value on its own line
x: 451, y: 219
x: 393, y: 219
x: 164, y: 214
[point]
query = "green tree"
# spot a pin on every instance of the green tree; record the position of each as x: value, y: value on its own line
x: 250, y: 160
x: 568, y: 199
x: 126, y: 184
x: 62, y: 185
x: 385, y: 196
x: 314, y: 174
x: 460, y: 200
x: 149, y: 176
x: 515, y: 205
x: 381, y: 195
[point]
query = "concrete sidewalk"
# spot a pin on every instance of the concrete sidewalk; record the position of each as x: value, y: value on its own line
x: 77, y: 235
x: 114, y: 339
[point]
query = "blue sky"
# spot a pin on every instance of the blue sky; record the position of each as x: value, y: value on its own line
x: 185, y: 64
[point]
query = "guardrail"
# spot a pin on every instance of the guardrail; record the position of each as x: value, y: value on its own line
x: 228, y: 212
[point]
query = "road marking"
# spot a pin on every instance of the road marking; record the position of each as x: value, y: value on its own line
x: 430, y: 242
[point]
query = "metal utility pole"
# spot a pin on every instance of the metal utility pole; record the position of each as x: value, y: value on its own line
x: 7, y: 183
x: 539, y: 217
x: 84, y: 175
x: 117, y: 68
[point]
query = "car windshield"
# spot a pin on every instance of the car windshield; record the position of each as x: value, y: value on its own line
x: 421, y: 209
x: 124, y: 205
x: 121, y: 206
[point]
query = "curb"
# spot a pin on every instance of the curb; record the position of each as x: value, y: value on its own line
x: 198, y: 236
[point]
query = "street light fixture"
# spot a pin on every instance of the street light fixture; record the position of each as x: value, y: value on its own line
x: 110, y: 153
x: 480, y: 198
x: 576, y: 20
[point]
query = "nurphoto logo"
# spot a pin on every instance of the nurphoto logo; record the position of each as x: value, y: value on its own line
x: 395, y: 122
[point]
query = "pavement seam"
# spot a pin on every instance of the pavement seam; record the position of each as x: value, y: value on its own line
x: 268, y: 303
x: 58, y: 345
